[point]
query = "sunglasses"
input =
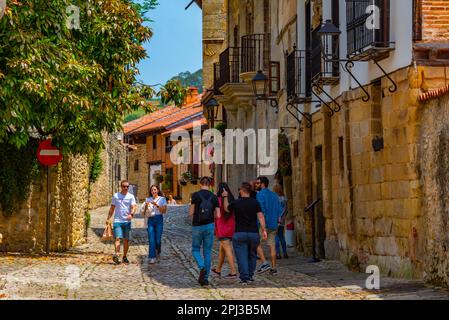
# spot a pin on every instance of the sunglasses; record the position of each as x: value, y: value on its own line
x: 126, y: 187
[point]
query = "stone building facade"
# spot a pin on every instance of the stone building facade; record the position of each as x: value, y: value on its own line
x: 114, y: 158
x: 367, y: 135
x: 150, y: 139
x: 25, y: 230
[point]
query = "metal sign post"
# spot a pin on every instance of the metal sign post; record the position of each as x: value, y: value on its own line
x: 47, y: 219
x: 48, y: 155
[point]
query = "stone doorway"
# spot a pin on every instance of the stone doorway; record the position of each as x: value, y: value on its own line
x: 320, y: 222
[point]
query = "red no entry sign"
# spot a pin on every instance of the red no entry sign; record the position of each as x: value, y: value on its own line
x: 47, y: 154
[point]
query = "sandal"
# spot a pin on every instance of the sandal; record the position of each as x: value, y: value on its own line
x: 214, y: 270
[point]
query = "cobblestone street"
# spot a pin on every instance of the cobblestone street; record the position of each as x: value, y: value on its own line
x: 87, y: 272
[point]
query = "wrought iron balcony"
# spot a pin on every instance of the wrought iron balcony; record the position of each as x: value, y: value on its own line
x: 367, y: 41
x: 324, y: 72
x: 298, y: 76
x: 229, y: 67
x: 255, y: 52
x: 217, y: 79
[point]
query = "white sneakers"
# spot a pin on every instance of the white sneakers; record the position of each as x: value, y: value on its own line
x: 152, y: 261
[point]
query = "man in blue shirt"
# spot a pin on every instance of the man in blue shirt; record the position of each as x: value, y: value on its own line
x: 272, y: 210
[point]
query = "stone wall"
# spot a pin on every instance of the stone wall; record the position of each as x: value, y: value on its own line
x: 139, y: 177
x: 372, y: 201
x: 434, y: 166
x: 25, y: 230
x: 115, y: 161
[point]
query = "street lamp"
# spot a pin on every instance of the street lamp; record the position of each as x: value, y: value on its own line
x: 330, y: 40
x: 260, y: 88
x: 212, y: 107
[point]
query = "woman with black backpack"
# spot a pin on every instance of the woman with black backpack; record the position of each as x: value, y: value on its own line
x: 224, y: 231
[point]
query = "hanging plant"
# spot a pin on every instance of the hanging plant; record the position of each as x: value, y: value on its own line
x: 285, y: 164
x: 19, y: 168
x: 221, y: 127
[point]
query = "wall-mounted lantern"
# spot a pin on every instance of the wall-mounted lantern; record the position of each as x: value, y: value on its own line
x: 260, y: 84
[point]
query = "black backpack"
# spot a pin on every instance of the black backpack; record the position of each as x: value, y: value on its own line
x: 205, y: 210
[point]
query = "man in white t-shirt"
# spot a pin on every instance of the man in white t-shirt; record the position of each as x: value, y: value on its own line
x: 123, y: 207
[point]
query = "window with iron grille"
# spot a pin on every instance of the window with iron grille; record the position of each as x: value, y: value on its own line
x: 136, y: 165
x: 298, y: 85
x: 275, y: 78
x: 368, y: 26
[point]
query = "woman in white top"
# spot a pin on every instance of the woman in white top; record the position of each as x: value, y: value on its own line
x: 155, y: 208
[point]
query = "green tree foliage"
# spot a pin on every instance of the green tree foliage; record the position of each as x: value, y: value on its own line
x: 70, y: 84
x: 188, y: 79
x: 96, y: 165
x: 18, y: 169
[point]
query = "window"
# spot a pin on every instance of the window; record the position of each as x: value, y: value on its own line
x: 275, y: 77
x: 168, y: 144
x: 360, y: 38
x: 136, y: 165
x: 266, y: 16
x: 296, y: 149
x: 341, y: 155
x: 119, y: 172
x: 154, y: 142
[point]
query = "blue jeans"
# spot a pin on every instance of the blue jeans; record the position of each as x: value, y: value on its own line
x: 245, y: 247
x: 155, y: 228
x: 280, y: 240
x: 203, y: 236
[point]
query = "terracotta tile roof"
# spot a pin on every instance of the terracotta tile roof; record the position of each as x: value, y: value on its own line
x: 160, y: 119
x: 432, y: 94
x: 149, y: 118
x: 188, y: 126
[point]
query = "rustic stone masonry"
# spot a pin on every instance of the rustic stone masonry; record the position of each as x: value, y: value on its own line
x: 138, y: 172
x: 115, y: 161
x: 385, y: 207
x: 24, y: 231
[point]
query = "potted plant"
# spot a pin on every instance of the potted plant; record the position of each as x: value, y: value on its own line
x: 187, y: 176
x: 159, y: 178
x: 221, y: 127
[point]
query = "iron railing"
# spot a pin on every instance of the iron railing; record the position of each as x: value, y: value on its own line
x: 229, y: 66
x: 217, y: 78
x: 255, y: 52
x: 324, y: 72
x: 298, y: 81
x: 368, y: 27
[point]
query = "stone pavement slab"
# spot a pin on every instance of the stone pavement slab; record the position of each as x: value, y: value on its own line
x: 87, y: 273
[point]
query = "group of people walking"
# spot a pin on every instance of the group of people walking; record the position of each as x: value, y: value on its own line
x: 242, y: 225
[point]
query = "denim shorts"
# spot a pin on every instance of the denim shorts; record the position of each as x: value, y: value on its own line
x: 225, y: 239
x: 122, y: 230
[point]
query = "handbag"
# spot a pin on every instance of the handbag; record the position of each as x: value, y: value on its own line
x: 149, y: 212
x: 107, y: 234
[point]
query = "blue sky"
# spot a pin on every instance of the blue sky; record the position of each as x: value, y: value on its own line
x: 176, y: 45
